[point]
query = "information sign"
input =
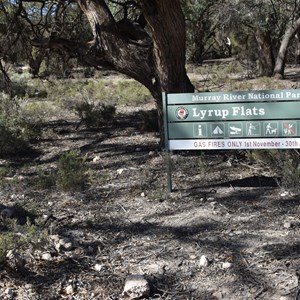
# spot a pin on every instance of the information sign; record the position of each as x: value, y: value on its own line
x: 193, y: 121
x: 266, y: 119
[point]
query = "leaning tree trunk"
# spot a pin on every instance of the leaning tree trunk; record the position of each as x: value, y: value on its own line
x: 167, y: 26
x: 266, y: 57
x: 281, y: 57
x: 156, y: 60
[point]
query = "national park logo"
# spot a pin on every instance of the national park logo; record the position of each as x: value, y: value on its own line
x: 182, y: 113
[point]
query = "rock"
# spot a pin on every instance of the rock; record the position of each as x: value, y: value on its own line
x: 217, y: 295
x: 15, y: 261
x: 284, y: 194
x: 98, y: 267
x: 46, y: 256
x: 69, y: 289
x: 10, y: 293
x: 136, y: 286
x: 120, y: 171
x: 226, y: 265
x: 66, y: 244
x: 287, y: 225
x: 96, y: 159
x: 143, y: 194
x: 204, y: 262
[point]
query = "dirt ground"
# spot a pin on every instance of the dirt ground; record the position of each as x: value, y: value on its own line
x: 228, y: 231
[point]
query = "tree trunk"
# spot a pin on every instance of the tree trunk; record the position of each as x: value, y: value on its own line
x: 156, y: 61
x: 154, y: 57
x: 167, y: 26
x: 266, y: 57
x: 297, y: 54
x: 281, y: 57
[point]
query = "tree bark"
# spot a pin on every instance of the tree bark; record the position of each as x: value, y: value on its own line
x: 266, y: 57
x: 167, y: 26
x: 154, y: 57
x: 157, y: 60
x: 281, y: 57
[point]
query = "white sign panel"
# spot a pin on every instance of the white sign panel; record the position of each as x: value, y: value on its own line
x: 227, y: 144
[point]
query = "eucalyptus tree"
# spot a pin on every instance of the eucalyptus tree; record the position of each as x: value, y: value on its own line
x: 291, y: 11
x: 272, y: 23
x: 203, y: 26
x: 142, y: 39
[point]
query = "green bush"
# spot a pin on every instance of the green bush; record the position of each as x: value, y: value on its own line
x: 17, y: 127
x: 130, y: 91
x: 18, y: 238
x: 284, y: 163
x: 95, y: 115
x: 149, y: 120
x: 71, y: 171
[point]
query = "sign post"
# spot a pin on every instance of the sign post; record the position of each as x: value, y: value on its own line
x: 266, y: 119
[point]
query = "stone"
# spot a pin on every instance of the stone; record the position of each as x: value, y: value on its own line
x: 98, y: 267
x: 69, y: 289
x: 287, y: 225
x: 226, y: 265
x: 120, y: 171
x: 204, y: 262
x: 136, y: 286
x: 217, y: 295
x: 46, y: 256
x: 15, y: 261
x: 96, y: 159
x: 10, y: 293
x: 66, y: 244
x: 284, y: 194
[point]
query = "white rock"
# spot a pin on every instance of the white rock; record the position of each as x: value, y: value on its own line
x: 9, y: 292
x: 204, y: 262
x: 217, y: 295
x: 69, y: 290
x: 98, y: 267
x: 284, y: 194
x: 120, y: 171
x: 226, y: 265
x: 287, y: 225
x: 46, y: 256
x: 136, y: 286
x: 96, y: 159
x: 143, y: 194
x: 66, y: 244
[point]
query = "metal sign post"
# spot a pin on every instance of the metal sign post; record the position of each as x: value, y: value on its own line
x: 166, y: 139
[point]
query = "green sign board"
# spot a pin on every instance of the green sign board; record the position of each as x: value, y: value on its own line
x: 246, y: 116
x: 267, y: 119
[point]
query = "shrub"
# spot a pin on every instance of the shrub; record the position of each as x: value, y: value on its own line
x: 71, y: 171
x: 149, y: 120
x: 18, y: 238
x: 95, y: 115
x: 16, y: 128
x: 284, y: 164
x: 131, y: 91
